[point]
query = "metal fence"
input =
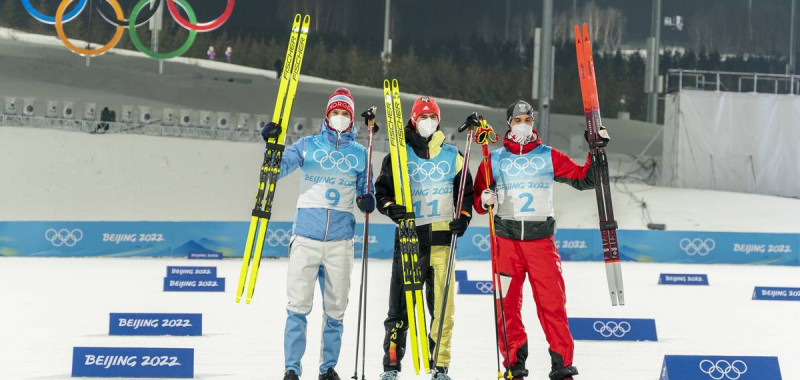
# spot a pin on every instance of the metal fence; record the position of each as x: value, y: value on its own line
x: 158, y: 129
x: 678, y: 79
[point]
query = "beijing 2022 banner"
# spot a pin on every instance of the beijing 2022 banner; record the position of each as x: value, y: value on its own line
x: 179, y: 239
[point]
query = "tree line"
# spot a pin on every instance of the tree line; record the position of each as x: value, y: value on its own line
x: 469, y: 67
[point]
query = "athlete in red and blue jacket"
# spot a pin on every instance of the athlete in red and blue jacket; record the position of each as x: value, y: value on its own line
x: 520, y: 188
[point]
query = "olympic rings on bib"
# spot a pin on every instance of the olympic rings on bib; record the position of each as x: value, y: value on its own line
x: 51, y: 19
x: 59, y: 23
x: 521, y: 165
x: 138, y: 17
x: 428, y: 171
x: 135, y: 38
x: 192, y: 25
x: 335, y: 159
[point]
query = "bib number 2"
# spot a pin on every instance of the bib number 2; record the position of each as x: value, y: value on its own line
x: 528, y: 205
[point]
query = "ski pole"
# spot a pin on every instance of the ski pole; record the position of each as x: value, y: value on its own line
x: 484, y: 136
x: 369, y: 120
x: 472, y: 121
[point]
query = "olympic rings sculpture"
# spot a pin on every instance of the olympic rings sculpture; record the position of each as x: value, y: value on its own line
x: 120, y: 23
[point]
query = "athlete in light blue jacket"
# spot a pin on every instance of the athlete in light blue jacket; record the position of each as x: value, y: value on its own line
x: 334, y: 177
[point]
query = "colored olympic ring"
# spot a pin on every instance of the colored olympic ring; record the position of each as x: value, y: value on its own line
x: 135, y: 39
x: 192, y: 24
x: 59, y: 23
x: 119, y: 21
x: 147, y: 15
x: 51, y: 19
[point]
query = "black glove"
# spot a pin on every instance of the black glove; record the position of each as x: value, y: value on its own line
x: 602, y: 141
x: 368, y: 115
x: 459, y: 226
x: 271, y: 130
x: 395, y: 212
x: 471, y: 121
x: 366, y: 203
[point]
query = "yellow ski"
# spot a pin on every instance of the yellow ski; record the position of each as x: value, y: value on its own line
x: 271, y: 167
x: 409, y: 244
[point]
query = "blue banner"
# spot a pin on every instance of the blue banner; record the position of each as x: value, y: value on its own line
x: 682, y: 279
x: 194, y: 284
x: 776, y: 294
x: 680, y: 367
x: 475, y: 287
x: 133, y: 362
x: 191, y: 271
x: 613, y: 329
x: 465, y: 286
x: 155, y: 324
x: 204, y: 256
x: 182, y: 239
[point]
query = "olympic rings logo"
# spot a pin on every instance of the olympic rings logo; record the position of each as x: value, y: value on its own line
x: 697, y: 246
x: 278, y: 237
x: 484, y: 287
x: 722, y: 369
x: 335, y: 159
x: 521, y: 165
x: 611, y: 328
x: 63, y: 237
x: 120, y: 23
x: 428, y: 171
x: 482, y: 242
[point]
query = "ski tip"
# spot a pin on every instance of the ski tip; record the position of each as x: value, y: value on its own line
x: 395, y: 83
x: 297, y: 18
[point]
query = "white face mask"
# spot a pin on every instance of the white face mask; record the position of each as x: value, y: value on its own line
x: 339, y: 123
x: 427, y: 127
x: 521, y: 132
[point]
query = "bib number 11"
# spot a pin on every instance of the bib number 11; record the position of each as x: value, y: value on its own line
x: 432, y: 205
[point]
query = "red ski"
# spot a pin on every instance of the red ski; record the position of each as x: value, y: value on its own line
x: 595, y: 135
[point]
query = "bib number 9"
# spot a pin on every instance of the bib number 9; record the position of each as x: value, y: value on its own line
x: 333, y: 196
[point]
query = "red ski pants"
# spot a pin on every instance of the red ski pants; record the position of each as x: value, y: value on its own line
x: 540, y: 261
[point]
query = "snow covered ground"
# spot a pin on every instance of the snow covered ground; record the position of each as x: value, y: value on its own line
x: 51, y: 305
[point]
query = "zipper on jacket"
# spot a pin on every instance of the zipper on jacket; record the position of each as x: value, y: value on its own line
x: 523, y: 231
x: 327, y: 226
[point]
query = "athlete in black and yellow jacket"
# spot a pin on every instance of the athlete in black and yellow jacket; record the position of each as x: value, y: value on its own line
x: 435, y: 170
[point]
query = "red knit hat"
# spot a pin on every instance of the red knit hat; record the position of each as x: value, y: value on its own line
x: 424, y: 105
x: 341, y: 99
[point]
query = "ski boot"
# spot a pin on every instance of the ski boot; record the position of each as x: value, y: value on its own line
x: 389, y: 375
x: 516, y: 373
x: 329, y: 375
x: 558, y: 370
x: 290, y: 375
x: 440, y: 373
